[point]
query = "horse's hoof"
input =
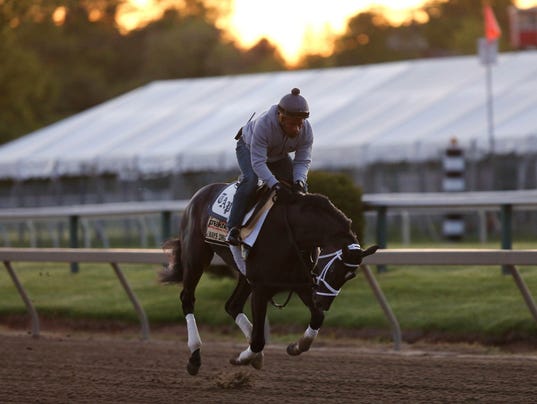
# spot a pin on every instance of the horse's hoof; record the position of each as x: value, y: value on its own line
x: 257, y: 362
x: 237, y: 362
x: 241, y: 362
x: 194, y: 363
x: 192, y: 369
x: 293, y: 350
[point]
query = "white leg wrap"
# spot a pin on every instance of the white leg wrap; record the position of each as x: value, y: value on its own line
x: 247, y: 354
x: 194, y: 340
x: 310, y: 333
x: 244, y: 324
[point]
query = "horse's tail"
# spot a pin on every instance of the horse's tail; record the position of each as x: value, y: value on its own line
x: 173, y: 273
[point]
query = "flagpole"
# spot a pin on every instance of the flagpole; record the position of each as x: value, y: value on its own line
x: 488, y: 48
x: 490, y: 107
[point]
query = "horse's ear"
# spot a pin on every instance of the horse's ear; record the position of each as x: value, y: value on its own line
x: 352, y: 254
x: 370, y: 251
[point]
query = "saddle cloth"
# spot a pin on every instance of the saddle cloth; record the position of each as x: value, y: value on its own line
x: 219, y: 214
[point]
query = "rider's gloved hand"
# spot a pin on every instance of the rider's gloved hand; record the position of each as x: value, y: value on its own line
x: 283, y: 193
x: 299, y: 187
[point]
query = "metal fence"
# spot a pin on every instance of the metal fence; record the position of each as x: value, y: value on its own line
x: 509, y: 259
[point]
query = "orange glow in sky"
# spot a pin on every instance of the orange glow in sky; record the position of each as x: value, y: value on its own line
x: 296, y: 27
x: 299, y: 26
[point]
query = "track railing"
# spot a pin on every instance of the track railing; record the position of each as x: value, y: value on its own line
x: 111, y: 256
x: 426, y: 257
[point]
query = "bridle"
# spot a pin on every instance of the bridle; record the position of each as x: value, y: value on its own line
x: 332, y: 257
x: 303, y: 264
x: 317, y: 279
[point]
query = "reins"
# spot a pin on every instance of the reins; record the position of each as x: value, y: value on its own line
x: 316, y: 279
x: 281, y: 306
x: 305, y: 267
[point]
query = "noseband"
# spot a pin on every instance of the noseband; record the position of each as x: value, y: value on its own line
x: 336, y: 255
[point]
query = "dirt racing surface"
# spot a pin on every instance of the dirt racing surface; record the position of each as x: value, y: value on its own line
x: 60, y: 368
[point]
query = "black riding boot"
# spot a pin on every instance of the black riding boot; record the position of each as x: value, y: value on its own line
x: 233, y: 236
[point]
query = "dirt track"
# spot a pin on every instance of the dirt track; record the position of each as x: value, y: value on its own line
x: 98, y: 369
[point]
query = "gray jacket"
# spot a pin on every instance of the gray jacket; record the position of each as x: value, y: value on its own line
x: 267, y: 143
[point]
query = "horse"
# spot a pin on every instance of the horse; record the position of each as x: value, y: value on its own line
x: 275, y: 263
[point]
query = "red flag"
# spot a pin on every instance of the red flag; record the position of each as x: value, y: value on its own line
x: 492, y: 29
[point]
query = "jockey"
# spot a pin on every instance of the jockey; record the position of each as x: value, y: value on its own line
x: 263, y: 147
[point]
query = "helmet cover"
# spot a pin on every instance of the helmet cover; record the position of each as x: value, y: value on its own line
x: 294, y: 105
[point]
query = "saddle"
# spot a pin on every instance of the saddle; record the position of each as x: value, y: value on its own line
x: 220, y: 208
x: 219, y: 211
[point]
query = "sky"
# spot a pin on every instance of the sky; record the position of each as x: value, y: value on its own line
x: 296, y: 27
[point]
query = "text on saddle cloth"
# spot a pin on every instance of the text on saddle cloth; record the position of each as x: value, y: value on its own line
x: 219, y: 214
x: 221, y: 207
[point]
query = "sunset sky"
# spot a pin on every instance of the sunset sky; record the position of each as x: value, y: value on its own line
x: 295, y: 26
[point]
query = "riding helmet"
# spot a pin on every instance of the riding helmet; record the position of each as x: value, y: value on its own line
x: 294, y: 105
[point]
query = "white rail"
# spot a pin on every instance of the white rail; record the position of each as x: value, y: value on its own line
x: 508, y: 258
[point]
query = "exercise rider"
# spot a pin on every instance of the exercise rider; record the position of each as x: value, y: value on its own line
x: 263, y: 147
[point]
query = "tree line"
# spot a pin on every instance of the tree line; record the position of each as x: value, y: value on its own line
x: 60, y: 57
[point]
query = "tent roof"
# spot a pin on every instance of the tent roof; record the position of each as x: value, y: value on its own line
x: 401, y: 111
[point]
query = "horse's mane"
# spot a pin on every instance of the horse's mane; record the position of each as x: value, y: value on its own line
x: 318, y: 201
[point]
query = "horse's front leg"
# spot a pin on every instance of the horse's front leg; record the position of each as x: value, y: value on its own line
x: 235, y: 306
x: 253, y: 355
x: 316, y: 320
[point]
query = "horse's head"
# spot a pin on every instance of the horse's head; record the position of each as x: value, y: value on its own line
x: 316, y: 222
x: 334, y: 269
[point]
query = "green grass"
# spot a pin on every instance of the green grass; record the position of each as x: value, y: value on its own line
x: 471, y: 300
x: 456, y: 301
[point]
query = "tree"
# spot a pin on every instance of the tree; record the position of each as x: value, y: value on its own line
x: 452, y: 28
x: 178, y: 46
x: 183, y: 45
x: 364, y: 40
x: 262, y: 57
x: 370, y: 38
x: 455, y: 26
x: 27, y: 88
x: 60, y: 57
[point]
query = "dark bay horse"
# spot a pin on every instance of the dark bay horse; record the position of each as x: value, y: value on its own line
x: 275, y: 263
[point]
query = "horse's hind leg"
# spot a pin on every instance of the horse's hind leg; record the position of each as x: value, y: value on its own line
x: 194, y: 343
x: 193, y: 266
x: 235, y: 306
x: 316, y: 320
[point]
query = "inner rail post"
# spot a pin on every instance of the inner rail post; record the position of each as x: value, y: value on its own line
x: 396, y: 329
x: 165, y: 224
x: 134, y: 300
x: 27, y: 301
x: 73, y: 239
x: 526, y: 294
x: 507, y: 238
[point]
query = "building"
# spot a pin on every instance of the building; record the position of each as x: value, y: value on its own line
x: 386, y: 124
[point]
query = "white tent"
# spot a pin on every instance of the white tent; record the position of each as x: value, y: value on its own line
x: 392, y: 112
